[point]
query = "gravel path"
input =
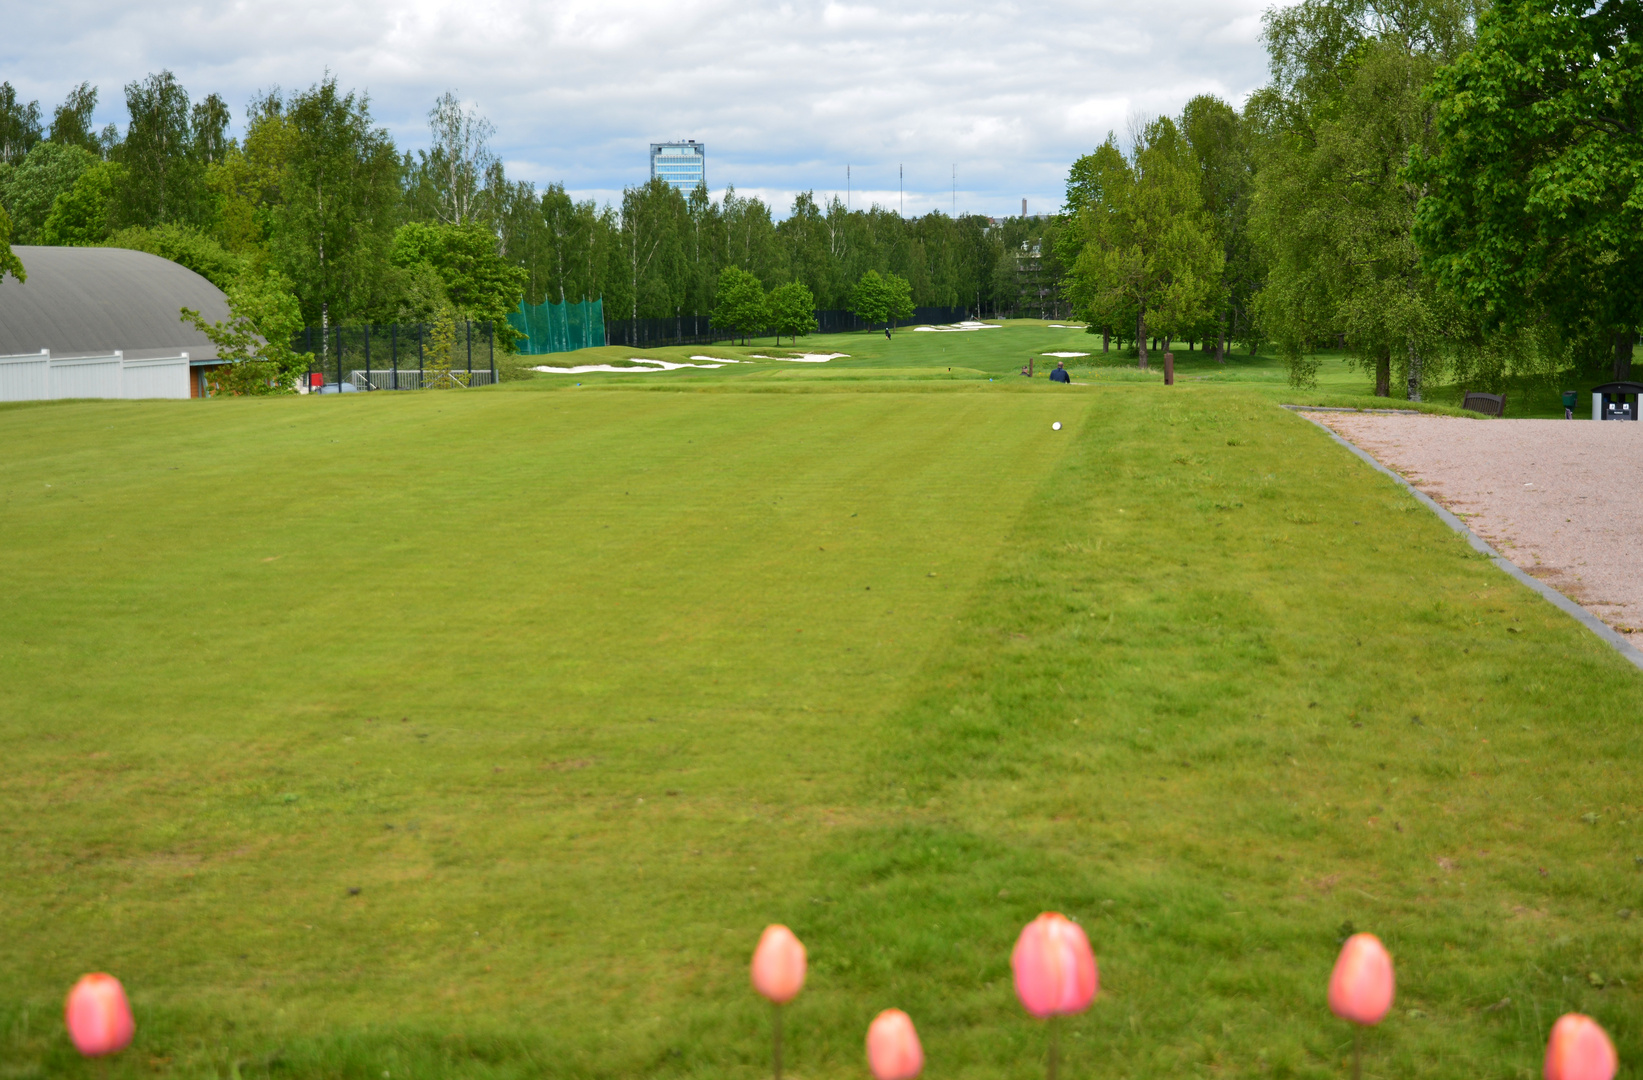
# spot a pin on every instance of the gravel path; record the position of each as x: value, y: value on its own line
x: 1562, y: 499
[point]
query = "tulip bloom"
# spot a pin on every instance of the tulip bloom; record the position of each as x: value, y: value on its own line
x: 1055, y: 973
x: 1360, y: 989
x: 98, y: 1016
x: 1579, y: 1049
x: 893, y: 1050
x: 778, y: 974
x: 778, y: 964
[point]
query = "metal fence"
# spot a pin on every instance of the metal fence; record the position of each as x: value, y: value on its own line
x: 338, y: 353
x: 411, y: 378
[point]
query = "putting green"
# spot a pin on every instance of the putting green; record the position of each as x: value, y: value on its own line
x: 580, y: 688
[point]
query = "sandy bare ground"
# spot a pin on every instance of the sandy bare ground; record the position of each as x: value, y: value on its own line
x: 1562, y: 499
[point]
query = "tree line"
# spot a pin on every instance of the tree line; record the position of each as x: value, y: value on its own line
x: 1435, y: 186
x: 315, y: 202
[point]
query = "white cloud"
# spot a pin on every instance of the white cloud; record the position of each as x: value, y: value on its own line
x: 784, y: 94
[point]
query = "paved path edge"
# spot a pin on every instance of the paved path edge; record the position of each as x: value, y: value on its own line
x: 1609, y: 634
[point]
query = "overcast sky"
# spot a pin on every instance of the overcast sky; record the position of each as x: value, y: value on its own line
x: 784, y: 95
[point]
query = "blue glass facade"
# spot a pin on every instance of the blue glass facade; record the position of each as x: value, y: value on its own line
x: 682, y: 164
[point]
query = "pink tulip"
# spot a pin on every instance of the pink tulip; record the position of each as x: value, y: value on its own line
x: 893, y: 1050
x: 1360, y: 989
x: 1055, y: 972
x: 98, y: 1017
x: 1579, y: 1050
x: 778, y: 964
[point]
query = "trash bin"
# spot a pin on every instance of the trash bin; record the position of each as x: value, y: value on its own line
x: 1616, y: 401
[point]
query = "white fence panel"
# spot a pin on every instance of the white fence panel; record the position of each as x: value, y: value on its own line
x: 25, y: 378
x: 166, y: 377
x: 86, y: 377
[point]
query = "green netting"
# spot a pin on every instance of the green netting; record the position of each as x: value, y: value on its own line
x: 550, y: 328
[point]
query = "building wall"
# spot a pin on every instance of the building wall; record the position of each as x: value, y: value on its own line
x: 684, y: 165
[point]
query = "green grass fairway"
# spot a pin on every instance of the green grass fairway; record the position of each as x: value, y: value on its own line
x: 579, y: 687
x: 1001, y: 354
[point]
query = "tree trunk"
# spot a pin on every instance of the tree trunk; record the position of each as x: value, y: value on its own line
x: 1383, y: 374
x: 1106, y: 338
x: 1141, y: 334
x: 1623, y: 356
x: 1221, y: 340
x: 1414, y: 373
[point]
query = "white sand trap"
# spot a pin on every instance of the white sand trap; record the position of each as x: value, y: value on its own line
x: 803, y: 358
x: 649, y: 365
x: 958, y: 328
x: 1064, y: 326
x: 1064, y: 354
x: 716, y: 359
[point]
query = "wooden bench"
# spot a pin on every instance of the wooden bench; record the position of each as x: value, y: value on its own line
x: 1488, y: 404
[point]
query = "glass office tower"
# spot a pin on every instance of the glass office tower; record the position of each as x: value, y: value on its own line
x: 682, y: 164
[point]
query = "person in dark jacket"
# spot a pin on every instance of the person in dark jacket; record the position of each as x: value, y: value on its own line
x: 1060, y: 373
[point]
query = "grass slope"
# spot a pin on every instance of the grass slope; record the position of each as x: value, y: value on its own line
x: 985, y: 354
x: 580, y: 688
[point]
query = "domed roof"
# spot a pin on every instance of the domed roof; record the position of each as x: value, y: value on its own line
x: 96, y: 300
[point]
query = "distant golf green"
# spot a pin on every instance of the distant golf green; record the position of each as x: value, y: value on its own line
x: 480, y: 733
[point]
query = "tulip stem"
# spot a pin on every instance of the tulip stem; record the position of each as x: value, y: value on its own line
x: 1357, y: 1052
x: 1055, y: 1047
x: 776, y: 1040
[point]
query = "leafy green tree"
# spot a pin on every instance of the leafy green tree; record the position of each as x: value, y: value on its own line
x: 19, y: 126
x: 163, y: 178
x: 576, y: 244
x: 186, y: 246
x: 448, y: 182
x: 333, y: 226
x: 1220, y: 142
x: 805, y: 237
x: 1534, y: 200
x: 651, y: 254
x: 898, y: 298
x: 1147, y: 247
x: 438, y: 359
x: 1333, y: 208
x: 245, y: 185
x: 9, y: 262
x: 868, y: 300
x: 742, y: 306
x: 792, y: 310
x: 263, y: 318
x: 84, y: 214
x: 71, y: 121
x: 479, y: 282
x: 29, y: 190
x: 208, y: 129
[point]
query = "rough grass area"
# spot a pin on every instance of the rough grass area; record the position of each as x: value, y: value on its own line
x: 581, y: 687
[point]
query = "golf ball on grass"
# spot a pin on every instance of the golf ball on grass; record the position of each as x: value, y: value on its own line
x: 1056, y: 426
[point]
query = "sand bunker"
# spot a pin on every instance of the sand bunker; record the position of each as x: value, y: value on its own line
x: 1557, y: 497
x: 1066, y: 326
x: 1064, y: 354
x: 645, y: 364
x: 957, y: 327
x: 802, y: 358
